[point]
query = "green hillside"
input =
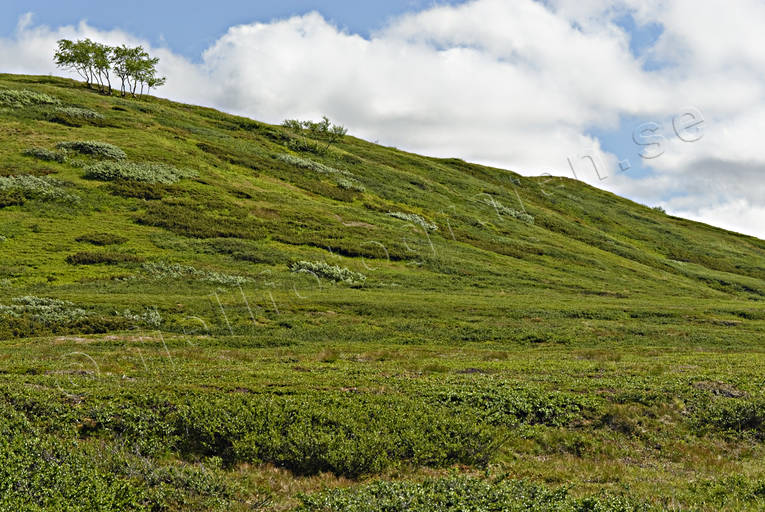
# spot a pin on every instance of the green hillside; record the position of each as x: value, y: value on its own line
x: 204, y: 312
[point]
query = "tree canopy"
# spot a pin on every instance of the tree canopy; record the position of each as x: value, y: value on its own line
x: 95, y: 62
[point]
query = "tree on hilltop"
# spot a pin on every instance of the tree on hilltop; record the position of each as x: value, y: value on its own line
x: 95, y: 61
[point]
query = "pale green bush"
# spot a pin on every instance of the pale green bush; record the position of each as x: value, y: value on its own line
x: 332, y: 272
x: 343, y: 179
x: 415, y: 219
x: 304, y: 163
x: 94, y: 148
x: 162, y: 270
x: 350, y: 185
x: 79, y: 113
x: 36, y: 187
x: 46, y: 154
x: 44, y: 310
x: 24, y: 98
x: 143, y: 172
x: 150, y: 317
x: 516, y: 214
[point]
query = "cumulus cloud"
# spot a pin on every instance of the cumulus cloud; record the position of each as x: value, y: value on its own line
x: 519, y: 85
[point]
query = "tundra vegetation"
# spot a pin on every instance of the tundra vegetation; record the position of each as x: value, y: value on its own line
x: 196, y: 315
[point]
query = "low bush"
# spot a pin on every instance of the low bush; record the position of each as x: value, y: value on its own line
x: 75, y: 117
x: 414, y: 219
x: 43, y: 310
x: 46, y: 154
x: 307, y: 434
x: 149, y: 318
x: 188, y: 219
x: 347, y: 184
x: 247, y: 250
x: 139, y: 172
x: 11, y: 197
x: 94, y: 148
x: 334, y: 273
x: 139, y: 190
x: 508, y: 407
x: 19, y: 188
x: 108, y: 258
x: 102, y: 239
x: 455, y: 494
x: 79, y: 113
x: 304, y: 163
x: 24, y: 98
x: 732, y: 415
x: 516, y: 214
x: 162, y: 270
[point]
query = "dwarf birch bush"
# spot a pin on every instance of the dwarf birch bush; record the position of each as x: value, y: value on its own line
x: 304, y: 163
x: 162, y: 270
x: 334, y: 273
x: 79, y: 113
x: 347, y: 184
x: 94, y: 148
x: 46, y: 154
x: 149, y: 318
x: 141, y: 172
x: 35, y: 187
x: 18, y: 98
x: 516, y: 214
x: 44, y: 310
x: 414, y: 219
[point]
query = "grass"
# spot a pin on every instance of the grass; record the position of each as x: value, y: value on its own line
x: 517, y: 342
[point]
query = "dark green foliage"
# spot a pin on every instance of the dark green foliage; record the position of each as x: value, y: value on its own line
x: 11, y: 197
x: 462, y: 494
x: 191, y: 220
x: 738, y: 415
x: 139, y: 190
x: 102, y: 239
x: 108, y: 258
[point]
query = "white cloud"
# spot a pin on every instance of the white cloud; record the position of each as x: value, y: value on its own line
x: 514, y: 84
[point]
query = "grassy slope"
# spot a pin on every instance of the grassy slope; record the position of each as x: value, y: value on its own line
x: 607, y: 346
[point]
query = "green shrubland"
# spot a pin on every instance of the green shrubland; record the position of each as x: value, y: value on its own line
x: 309, y: 321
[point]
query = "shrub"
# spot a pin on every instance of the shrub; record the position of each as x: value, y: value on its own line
x: 304, y: 163
x: 347, y: 184
x: 516, y: 214
x: 79, y: 113
x: 323, y: 130
x: 46, y: 154
x: 140, y: 172
x: 75, y: 116
x: 162, y: 270
x: 414, y: 219
x: 24, y: 98
x: 334, y: 273
x: 344, y: 179
x: 23, y: 187
x: 102, y: 239
x: 138, y: 190
x: 94, y: 148
x: 458, y: 494
x: 43, y: 310
x: 149, y: 318
x: 189, y: 219
x: 108, y: 258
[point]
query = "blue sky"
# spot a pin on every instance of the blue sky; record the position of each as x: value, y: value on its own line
x: 190, y: 27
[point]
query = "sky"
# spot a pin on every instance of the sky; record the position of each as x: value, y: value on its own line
x: 661, y: 101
